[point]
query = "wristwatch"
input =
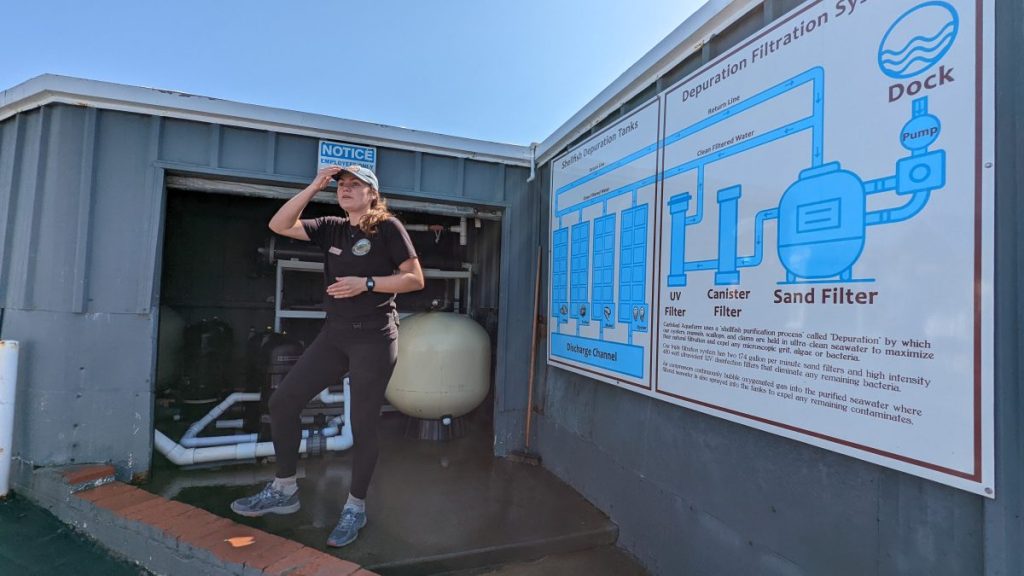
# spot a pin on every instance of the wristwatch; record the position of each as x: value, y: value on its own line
x: 370, y: 284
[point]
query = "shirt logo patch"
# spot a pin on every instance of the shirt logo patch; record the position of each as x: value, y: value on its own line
x: 335, y: 251
x: 362, y: 248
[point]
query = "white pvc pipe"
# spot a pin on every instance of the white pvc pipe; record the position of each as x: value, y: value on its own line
x: 202, y: 441
x: 194, y: 441
x: 334, y: 426
x: 184, y: 456
x: 533, y: 161
x: 212, y: 415
x: 191, y: 437
x: 460, y: 228
x: 229, y: 424
x: 8, y: 388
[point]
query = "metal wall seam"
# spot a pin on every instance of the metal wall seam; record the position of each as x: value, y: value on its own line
x: 417, y: 183
x: 10, y: 168
x: 271, y: 152
x: 502, y: 174
x: 460, y: 177
x: 34, y: 187
x: 501, y: 370
x: 154, y: 184
x: 215, y: 145
x: 83, y: 233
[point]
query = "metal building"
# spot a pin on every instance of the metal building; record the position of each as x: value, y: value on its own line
x: 87, y: 170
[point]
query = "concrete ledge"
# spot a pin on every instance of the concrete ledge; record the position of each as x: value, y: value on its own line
x: 168, y: 537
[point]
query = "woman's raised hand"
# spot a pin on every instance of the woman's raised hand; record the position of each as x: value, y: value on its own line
x: 323, y: 176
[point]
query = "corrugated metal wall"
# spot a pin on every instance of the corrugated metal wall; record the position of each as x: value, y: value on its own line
x: 81, y: 216
x: 697, y: 495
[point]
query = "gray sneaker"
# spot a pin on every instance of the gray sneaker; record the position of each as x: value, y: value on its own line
x: 269, y: 501
x: 347, y: 529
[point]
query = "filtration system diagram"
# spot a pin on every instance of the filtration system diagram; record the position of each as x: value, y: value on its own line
x: 822, y: 218
x: 707, y: 243
x: 601, y: 246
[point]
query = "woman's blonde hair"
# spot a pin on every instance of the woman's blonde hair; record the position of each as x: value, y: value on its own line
x: 377, y: 213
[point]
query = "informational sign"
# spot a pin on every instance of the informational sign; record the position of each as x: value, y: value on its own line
x: 342, y: 154
x: 823, y: 264
x: 602, y: 251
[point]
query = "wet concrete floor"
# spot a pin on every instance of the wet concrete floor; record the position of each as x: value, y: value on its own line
x: 433, y: 508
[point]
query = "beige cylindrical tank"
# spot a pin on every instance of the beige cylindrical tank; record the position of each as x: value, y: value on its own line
x: 444, y: 366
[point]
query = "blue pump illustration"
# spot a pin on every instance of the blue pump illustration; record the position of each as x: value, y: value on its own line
x: 822, y: 217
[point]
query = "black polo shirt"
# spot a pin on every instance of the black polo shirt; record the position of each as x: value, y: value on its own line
x: 348, y: 251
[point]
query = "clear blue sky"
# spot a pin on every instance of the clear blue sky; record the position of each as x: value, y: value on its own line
x: 501, y: 70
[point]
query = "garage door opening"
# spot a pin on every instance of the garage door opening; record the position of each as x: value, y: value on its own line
x: 239, y: 304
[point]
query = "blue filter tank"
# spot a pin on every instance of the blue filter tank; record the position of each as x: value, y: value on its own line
x: 821, y: 224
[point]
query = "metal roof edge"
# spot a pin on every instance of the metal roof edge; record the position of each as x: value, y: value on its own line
x: 49, y: 88
x: 686, y: 39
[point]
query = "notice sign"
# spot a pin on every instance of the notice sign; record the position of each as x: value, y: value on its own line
x: 823, y: 265
x: 341, y: 154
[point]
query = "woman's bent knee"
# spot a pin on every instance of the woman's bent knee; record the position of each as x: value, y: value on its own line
x: 281, y: 406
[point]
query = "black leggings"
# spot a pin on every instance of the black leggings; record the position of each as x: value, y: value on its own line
x: 368, y: 353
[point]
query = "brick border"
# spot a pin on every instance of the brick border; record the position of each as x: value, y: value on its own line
x: 169, y: 537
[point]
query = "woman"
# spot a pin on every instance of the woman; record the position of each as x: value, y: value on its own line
x: 368, y: 258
